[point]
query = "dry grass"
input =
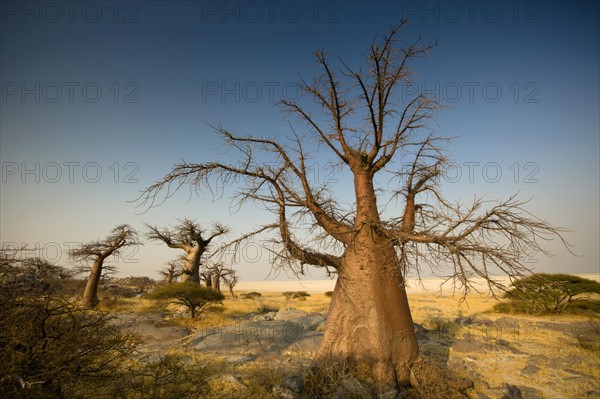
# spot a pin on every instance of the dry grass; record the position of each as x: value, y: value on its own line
x: 446, y: 318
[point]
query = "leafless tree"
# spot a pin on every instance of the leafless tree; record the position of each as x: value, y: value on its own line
x: 216, y: 273
x: 192, y: 239
x: 172, y: 272
x: 121, y: 237
x: 230, y: 278
x: 398, y: 220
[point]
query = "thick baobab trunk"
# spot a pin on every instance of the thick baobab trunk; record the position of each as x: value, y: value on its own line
x: 216, y: 284
x: 90, y: 294
x: 192, y: 265
x: 369, y: 324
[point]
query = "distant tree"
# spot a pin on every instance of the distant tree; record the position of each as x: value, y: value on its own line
x: 31, y: 273
x: 552, y: 292
x: 216, y: 273
x: 381, y: 142
x: 140, y: 283
x: 251, y: 295
x: 189, y: 237
x: 97, y: 251
x: 188, y: 294
x: 172, y: 272
x: 231, y: 279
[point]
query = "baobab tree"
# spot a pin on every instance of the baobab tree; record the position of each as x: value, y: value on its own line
x: 216, y: 273
x: 397, y: 220
x: 172, y: 271
x: 188, y: 236
x: 121, y: 237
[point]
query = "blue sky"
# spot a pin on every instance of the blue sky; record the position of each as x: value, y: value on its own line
x: 99, y: 99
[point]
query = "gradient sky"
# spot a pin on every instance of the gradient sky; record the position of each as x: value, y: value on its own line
x: 99, y: 99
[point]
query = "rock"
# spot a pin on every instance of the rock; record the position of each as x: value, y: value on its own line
x: 284, y: 393
x: 391, y: 394
x: 464, y: 383
x: 507, y: 323
x: 530, y: 370
x: 522, y: 392
x: 577, y: 373
x: 294, y: 383
x: 504, y: 346
x: 308, y: 321
x: 289, y: 314
x: 421, y: 332
x: 481, y: 395
x: 469, y: 345
x: 352, y: 388
x: 233, y: 380
x: 538, y: 359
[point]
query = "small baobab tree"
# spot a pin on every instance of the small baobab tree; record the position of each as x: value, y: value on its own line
x: 382, y: 145
x: 189, y: 237
x: 98, y: 251
x: 216, y: 273
x: 172, y: 272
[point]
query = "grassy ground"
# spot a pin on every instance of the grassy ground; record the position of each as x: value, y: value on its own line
x: 567, y: 358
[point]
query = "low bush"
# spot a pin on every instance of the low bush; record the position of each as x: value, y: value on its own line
x: 300, y: 295
x: 190, y: 295
x: 51, y: 348
x: 251, y: 295
x: 550, y: 293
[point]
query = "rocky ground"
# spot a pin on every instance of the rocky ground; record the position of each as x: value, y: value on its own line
x: 500, y: 357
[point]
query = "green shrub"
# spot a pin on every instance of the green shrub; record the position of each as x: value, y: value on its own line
x: 190, y: 295
x: 301, y: 295
x: 547, y: 293
x: 251, y: 295
x: 329, y: 294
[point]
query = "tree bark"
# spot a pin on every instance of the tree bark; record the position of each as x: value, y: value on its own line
x: 369, y: 324
x: 192, y: 265
x: 90, y: 294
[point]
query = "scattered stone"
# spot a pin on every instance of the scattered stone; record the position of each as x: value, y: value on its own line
x: 284, y: 393
x: 521, y: 392
x: 481, y: 395
x: 391, y: 394
x: 507, y: 323
x: 578, y: 373
x: 538, y: 359
x: 504, y: 346
x: 530, y: 393
x: 468, y: 345
x: 421, y: 332
x: 530, y: 370
x: 352, y: 388
x: 294, y: 383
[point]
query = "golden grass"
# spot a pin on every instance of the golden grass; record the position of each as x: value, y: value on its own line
x: 255, y: 379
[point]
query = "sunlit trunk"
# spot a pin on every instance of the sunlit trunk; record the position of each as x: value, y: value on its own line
x: 90, y: 294
x: 192, y: 266
x: 369, y: 324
